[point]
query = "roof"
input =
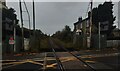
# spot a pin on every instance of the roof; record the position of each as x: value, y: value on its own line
x: 80, y: 21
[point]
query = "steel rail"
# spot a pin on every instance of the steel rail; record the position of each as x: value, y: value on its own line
x: 57, y: 58
x: 80, y: 59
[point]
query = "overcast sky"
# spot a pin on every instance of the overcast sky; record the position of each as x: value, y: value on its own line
x: 53, y: 16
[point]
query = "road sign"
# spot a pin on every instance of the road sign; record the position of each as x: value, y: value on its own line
x: 11, y: 40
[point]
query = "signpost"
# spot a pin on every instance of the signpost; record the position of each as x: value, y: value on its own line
x: 11, y: 41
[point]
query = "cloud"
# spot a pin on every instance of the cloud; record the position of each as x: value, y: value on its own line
x: 53, y: 16
x: 58, y: 14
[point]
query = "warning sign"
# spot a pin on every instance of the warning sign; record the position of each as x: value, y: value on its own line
x: 11, y: 40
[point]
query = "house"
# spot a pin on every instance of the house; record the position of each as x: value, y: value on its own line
x: 81, y: 32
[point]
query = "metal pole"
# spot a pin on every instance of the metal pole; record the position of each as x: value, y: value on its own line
x: 33, y: 19
x: 99, y: 36
x: 21, y: 24
x: 34, y: 38
x: 14, y: 36
x: 91, y: 21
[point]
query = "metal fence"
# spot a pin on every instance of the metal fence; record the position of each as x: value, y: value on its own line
x: 113, y: 43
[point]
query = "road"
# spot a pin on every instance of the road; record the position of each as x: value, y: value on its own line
x: 47, y: 60
x: 98, y: 60
x: 24, y: 62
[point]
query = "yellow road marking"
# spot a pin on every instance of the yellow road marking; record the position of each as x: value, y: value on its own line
x: 12, y: 63
x: 17, y: 63
x: 8, y: 60
x: 90, y: 61
x: 64, y: 59
x: 33, y: 62
x: 87, y: 56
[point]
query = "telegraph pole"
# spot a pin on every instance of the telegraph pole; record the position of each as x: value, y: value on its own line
x: 34, y: 38
x: 21, y: 24
x: 91, y: 20
x: 33, y: 18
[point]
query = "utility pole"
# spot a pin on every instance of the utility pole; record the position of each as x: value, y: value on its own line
x: 91, y: 21
x: 34, y: 38
x: 21, y: 24
x: 33, y: 18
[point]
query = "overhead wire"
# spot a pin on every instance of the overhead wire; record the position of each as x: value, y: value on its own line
x: 87, y: 9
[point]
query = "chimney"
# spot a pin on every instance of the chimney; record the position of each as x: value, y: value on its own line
x: 80, y: 19
x: 3, y: 2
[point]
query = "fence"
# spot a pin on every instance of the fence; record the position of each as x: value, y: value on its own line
x: 113, y: 43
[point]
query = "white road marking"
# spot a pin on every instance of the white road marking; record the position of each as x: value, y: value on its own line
x: 44, y: 64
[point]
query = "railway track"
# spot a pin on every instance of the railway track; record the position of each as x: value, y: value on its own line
x: 59, y: 63
x: 77, y: 60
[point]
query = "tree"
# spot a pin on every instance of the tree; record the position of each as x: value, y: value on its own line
x: 8, y: 17
x: 65, y: 35
x: 104, y: 12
